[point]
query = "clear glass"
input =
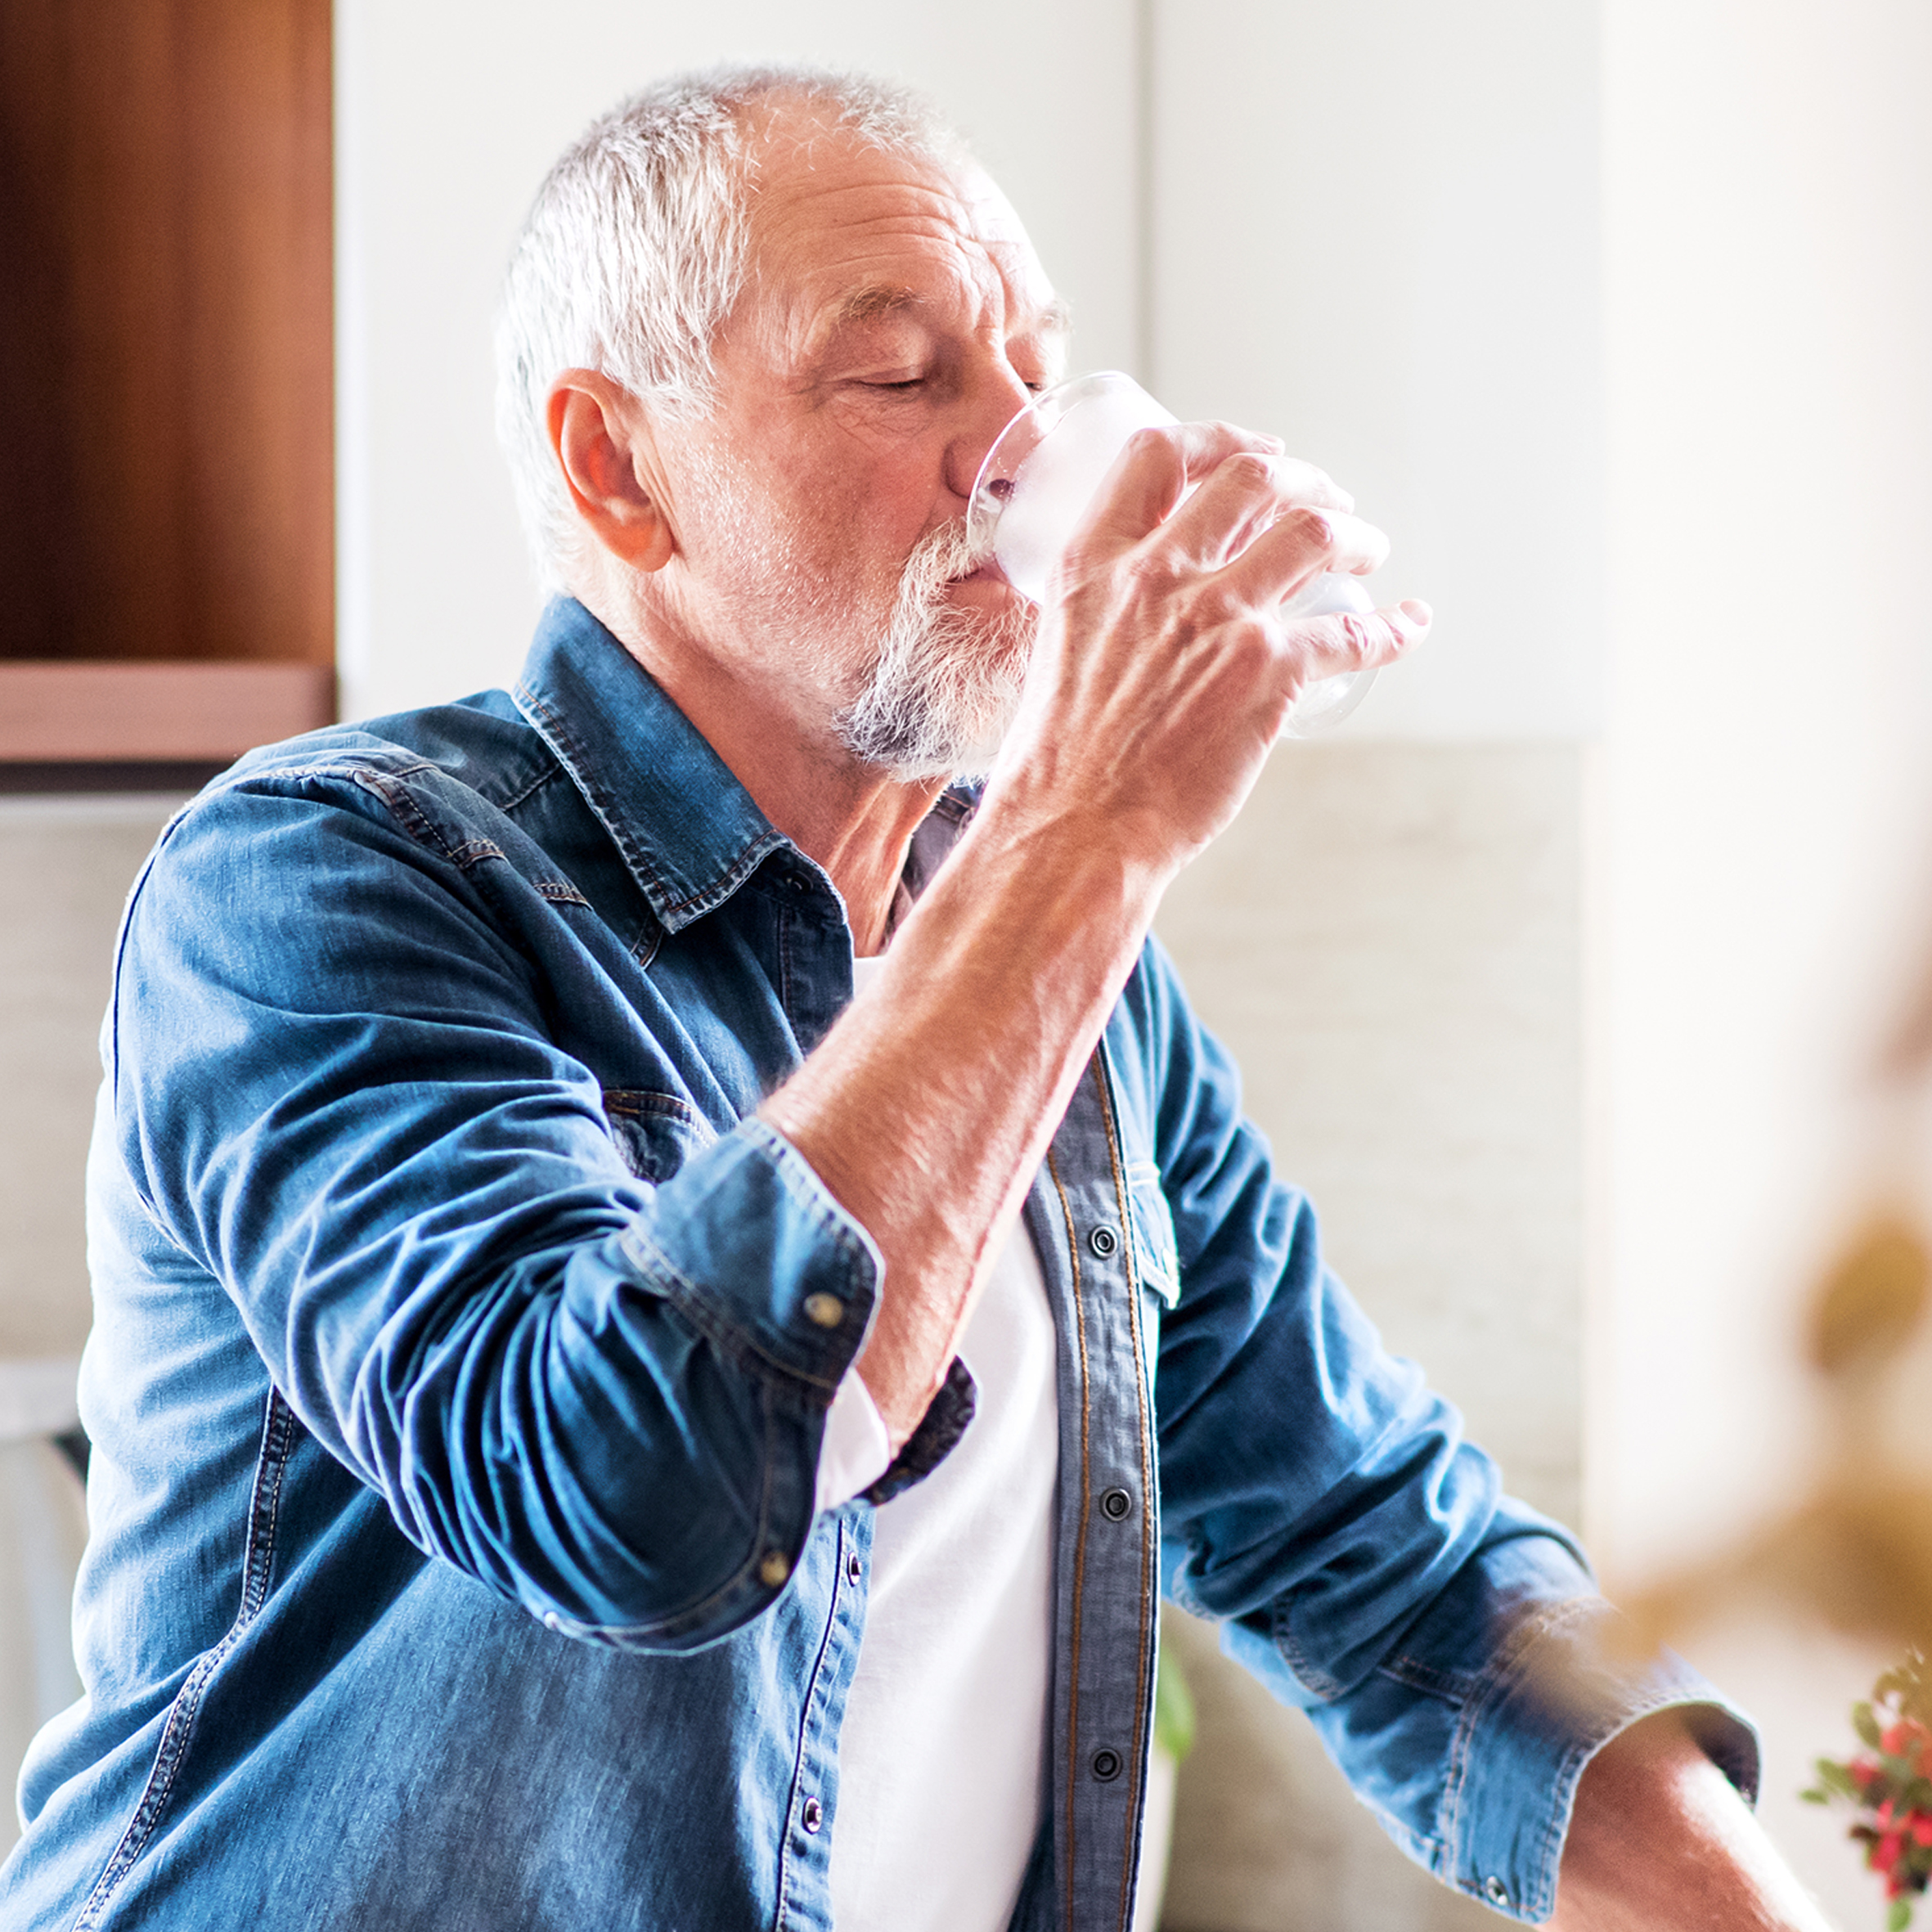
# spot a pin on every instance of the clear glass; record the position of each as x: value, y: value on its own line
x: 1040, y: 476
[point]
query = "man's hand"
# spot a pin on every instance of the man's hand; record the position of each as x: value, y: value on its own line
x: 1660, y: 1841
x: 1161, y: 678
x: 1164, y: 668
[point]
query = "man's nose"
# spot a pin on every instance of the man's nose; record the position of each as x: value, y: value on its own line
x: 994, y: 397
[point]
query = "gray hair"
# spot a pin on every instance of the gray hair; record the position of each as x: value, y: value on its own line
x: 635, y: 252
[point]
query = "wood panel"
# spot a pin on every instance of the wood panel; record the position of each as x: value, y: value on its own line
x: 205, y: 712
x: 166, y: 474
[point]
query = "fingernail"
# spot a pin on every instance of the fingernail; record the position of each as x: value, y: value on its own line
x: 1416, y: 611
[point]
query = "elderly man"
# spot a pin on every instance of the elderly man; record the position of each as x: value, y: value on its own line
x: 672, y: 1290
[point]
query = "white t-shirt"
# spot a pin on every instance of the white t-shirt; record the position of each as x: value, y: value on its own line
x: 942, y: 1757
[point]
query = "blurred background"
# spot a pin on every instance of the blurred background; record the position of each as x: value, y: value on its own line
x: 1560, y: 975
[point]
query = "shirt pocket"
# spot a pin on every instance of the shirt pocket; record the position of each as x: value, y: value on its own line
x: 655, y: 1133
x: 1154, y: 1253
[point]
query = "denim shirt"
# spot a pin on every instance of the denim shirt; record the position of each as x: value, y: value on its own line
x: 462, y: 1349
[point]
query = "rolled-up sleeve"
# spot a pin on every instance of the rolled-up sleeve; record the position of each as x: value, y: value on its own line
x: 1469, y: 1737
x: 1320, y: 1504
x: 337, y: 1089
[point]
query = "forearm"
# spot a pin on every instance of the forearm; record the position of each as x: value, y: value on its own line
x: 1158, y: 684
x: 1660, y: 1841
x: 927, y: 1108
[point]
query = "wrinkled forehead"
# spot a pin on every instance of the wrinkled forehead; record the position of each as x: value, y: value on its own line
x: 834, y: 220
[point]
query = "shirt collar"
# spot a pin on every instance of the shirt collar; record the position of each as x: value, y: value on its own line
x: 686, y: 828
x: 682, y: 823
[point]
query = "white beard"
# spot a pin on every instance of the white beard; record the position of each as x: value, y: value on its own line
x: 944, y: 687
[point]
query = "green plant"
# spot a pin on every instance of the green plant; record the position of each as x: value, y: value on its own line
x: 1889, y: 1784
x: 1174, y: 1709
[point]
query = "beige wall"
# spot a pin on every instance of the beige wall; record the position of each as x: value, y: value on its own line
x: 65, y: 865
x: 1389, y: 938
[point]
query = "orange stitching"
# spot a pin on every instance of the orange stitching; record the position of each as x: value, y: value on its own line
x: 1147, y: 1484
x: 1079, y: 1540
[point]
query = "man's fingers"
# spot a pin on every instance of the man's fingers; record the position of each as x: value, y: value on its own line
x: 1248, y: 493
x: 1349, y: 640
x: 1282, y: 558
x: 1155, y: 470
x: 1149, y: 475
x: 1297, y: 482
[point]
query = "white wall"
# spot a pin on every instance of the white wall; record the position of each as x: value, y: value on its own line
x: 1769, y: 269
x: 1374, y: 230
x: 1376, y: 234
x: 1765, y: 809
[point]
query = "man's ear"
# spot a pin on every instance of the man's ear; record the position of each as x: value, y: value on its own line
x: 603, y: 445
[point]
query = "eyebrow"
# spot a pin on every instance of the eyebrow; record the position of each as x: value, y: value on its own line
x: 873, y: 300
x: 867, y: 303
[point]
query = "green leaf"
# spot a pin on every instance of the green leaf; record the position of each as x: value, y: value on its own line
x: 1173, y: 1710
x: 1835, y: 1777
x: 1866, y: 1725
x: 1814, y: 1797
x: 1899, y: 1916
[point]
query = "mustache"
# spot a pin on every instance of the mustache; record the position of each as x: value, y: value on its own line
x: 937, y: 558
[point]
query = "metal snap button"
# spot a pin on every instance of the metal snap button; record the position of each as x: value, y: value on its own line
x: 827, y: 1311
x: 1107, y: 1765
x: 774, y: 1569
x: 1495, y: 1891
x: 855, y: 1570
x: 813, y: 1815
x: 1103, y: 1241
x: 1116, y: 1506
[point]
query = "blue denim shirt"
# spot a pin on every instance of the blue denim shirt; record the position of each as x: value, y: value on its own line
x: 462, y: 1350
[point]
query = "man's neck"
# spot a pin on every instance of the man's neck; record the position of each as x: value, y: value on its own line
x: 852, y: 819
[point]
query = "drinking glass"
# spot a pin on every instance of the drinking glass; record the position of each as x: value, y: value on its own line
x: 1038, y: 478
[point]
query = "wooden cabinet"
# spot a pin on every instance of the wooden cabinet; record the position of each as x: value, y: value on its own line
x: 166, y: 543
